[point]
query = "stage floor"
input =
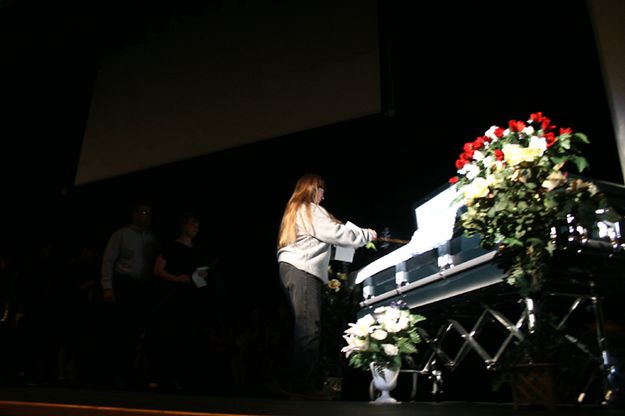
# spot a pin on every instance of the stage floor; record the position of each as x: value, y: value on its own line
x: 53, y: 401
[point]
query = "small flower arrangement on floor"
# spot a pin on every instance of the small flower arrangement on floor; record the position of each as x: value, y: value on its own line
x: 382, y: 337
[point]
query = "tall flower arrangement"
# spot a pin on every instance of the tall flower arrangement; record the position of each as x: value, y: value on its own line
x: 518, y: 193
x: 338, y: 305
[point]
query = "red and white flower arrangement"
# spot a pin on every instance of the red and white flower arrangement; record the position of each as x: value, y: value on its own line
x: 517, y: 190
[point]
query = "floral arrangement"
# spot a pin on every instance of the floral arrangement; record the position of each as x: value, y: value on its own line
x: 381, y: 337
x: 336, y: 284
x: 338, y: 305
x: 337, y: 300
x: 518, y: 194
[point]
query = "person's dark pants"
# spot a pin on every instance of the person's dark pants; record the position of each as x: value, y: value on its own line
x: 303, y: 292
x: 132, y: 299
x: 171, y: 334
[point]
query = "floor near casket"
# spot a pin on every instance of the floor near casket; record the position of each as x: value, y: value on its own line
x: 48, y: 401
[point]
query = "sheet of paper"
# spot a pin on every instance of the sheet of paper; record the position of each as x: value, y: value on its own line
x: 198, y: 280
x: 345, y: 254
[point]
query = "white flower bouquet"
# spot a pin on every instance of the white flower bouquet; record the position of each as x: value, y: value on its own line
x: 381, y: 337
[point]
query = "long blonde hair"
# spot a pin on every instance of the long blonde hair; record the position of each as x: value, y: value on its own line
x: 305, y: 193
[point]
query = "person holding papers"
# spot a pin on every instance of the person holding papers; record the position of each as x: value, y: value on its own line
x: 181, y: 270
x: 307, y: 234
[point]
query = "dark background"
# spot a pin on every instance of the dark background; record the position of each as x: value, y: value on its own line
x: 450, y: 71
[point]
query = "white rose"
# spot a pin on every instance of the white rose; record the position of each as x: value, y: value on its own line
x: 379, y: 310
x: 390, y: 349
x: 515, y: 154
x: 379, y: 334
x: 538, y: 143
x: 529, y: 130
x: 476, y: 189
x: 490, y: 133
x: 477, y: 155
x: 488, y: 161
x: 470, y: 170
x: 393, y: 327
x: 362, y: 327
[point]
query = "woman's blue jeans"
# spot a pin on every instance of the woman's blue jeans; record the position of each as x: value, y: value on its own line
x: 303, y: 292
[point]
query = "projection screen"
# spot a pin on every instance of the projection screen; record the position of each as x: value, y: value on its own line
x: 236, y: 74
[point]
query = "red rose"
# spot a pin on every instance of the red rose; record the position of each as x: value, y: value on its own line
x: 479, y: 143
x: 516, y: 125
x: 550, y: 139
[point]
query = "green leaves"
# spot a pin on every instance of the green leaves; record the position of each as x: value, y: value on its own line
x: 581, y: 137
x: 580, y: 162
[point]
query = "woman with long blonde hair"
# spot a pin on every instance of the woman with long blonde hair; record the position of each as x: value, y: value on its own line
x: 307, y: 234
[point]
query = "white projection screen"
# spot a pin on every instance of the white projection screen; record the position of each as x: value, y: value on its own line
x: 236, y: 74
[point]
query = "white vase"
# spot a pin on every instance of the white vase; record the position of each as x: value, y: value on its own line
x: 384, y: 380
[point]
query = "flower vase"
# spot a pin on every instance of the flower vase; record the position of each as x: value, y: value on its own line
x: 384, y: 380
